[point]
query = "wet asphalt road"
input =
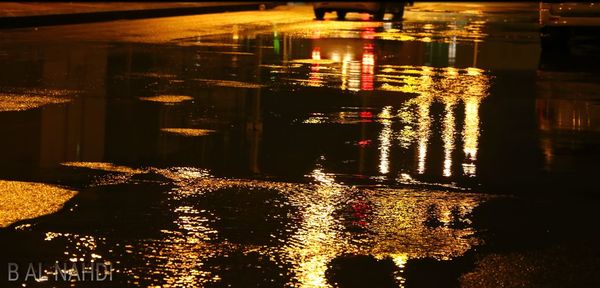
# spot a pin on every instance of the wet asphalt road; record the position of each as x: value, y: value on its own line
x: 266, y: 149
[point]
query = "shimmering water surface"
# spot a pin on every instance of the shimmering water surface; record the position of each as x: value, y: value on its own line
x: 287, y: 152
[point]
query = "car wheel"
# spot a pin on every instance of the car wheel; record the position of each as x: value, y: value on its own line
x: 341, y: 14
x: 399, y: 14
x: 319, y: 14
x: 379, y: 14
x: 554, y: 38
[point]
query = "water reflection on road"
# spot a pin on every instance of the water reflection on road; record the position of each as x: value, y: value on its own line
x: 290, y: 232
x: 293, y: 155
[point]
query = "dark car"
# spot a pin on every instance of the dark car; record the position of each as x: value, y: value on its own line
x: 377, y: 9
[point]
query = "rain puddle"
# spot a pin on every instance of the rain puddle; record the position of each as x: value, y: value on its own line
x: 290, y: 234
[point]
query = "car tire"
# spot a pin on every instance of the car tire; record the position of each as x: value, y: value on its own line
x: 319, y: 14
x: 379, y: 14
x: 554, y: 38
x: 399, y: 14
x: 341, y: 14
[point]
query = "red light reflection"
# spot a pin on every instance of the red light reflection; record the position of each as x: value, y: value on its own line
x: 365, y: 114
x: 368, y: 33
x: 363, y: 143
x: 368, y: 67
x: 314, y: 78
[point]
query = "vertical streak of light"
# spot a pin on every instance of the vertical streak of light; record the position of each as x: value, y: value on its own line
x: 400, y: 261
x: 314, y: 75
x: 319, y: 240
x: 345, y: 64
x: 368, y: 64
x: 448, y: 137
x: 385, y: 139
x: 423, y: 131
x: 354, y: 78
x: 423, y: 126
x: 452, y: 52
x: 471, y: 134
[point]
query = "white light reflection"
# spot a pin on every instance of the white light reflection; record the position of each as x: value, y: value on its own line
x: 354, y: 79
x: 368, y: 67
x: 452, y: 51
x: 314, y: 77
x: 345, y: 67
x: 385, y: 138
x: 448, y: 137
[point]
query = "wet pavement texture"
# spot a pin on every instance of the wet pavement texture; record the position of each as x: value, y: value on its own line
x: 273, y: 150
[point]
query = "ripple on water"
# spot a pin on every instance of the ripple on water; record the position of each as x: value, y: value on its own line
x: 304, y: 227
x: 292, y: 232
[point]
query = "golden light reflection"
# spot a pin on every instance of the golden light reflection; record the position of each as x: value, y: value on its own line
x: 446, y: 85
x: 345, y: 69
x: 358, y: 76
x: 149, y: 75
x: 394, y: 226
x: 354, y: 78
x: 235, y: 32
x: 19, y: 102
x: 423, y: 132
x: 400, y: 228
x: 103, y: 166
x: 167, y: 99
x: 471, y: 135
x: 184, y: 250
x: 400, y: 261
x: 318, y: 240
x: 79, y: 249
x: 26, y: 200
x: 448, y: 130
x: 188, y: 132
x: 448, y: 136
x: 229, y: 83
x: 472, y: 30
x: 179, y: 255
x: 423, y: 102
